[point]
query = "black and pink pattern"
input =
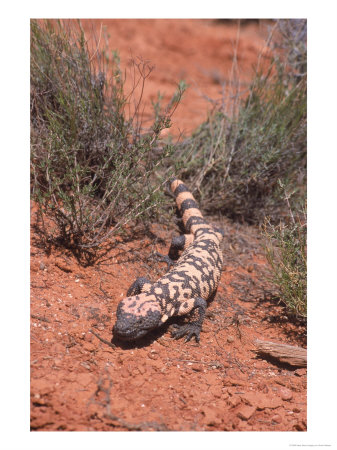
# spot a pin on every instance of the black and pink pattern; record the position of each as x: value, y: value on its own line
x: 184, y: 290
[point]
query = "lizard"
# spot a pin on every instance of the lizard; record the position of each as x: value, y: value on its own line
x: 194, y: 268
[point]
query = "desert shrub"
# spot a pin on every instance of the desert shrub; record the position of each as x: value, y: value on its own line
x: 293, y: 43
x: 93, y: 167
x: 235, y: 159
x: 286, y: 251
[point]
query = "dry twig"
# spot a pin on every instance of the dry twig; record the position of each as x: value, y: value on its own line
x: 295, y: 356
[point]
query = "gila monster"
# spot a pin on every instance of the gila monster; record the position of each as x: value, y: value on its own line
x: 186, y: 287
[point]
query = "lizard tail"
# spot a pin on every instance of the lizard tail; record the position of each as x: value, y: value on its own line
x: 187, y: 206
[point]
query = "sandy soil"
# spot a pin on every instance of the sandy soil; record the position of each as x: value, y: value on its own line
x: 79, y: 382
x: 200, y: 52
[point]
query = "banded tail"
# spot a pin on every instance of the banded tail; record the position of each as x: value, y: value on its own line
x: 187, y: 206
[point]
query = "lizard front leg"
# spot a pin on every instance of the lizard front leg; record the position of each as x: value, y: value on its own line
x: 198, y: 307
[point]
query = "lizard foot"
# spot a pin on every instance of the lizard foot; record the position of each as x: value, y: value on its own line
x: 189, y: 329
x: 165, y: 258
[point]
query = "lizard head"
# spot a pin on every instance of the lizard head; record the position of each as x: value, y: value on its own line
x: 136, y: 316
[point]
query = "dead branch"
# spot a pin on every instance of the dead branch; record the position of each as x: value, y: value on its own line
x: 110, y: 344
x: 295, y: 356
x: 143, y: 426
x: 43, y: 319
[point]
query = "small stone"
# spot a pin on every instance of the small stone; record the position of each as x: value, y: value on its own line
x: 234, y: 401
x: 153, y: 355
x: 246, y: 412
x: 88, y: 346
x: 286, y: 394
x: 296, y: 409
x: 301, y: 425
x: 142, y: 370
x: 230, y: 339
x: 228, y: 381
x: 277, y: 418
x: 34, y: 267
x: 124, y: 373
x: 42, y: 266
x: 85, y: 365
x: 216, y: 391
x: 261, y: 401
x: 84, y: 379
x: 211, y: 415
x: 300, y: 372
x: 43, y: 386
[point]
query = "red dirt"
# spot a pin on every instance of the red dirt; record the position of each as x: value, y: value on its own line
x: 79, y: 382
x: 200, y: 52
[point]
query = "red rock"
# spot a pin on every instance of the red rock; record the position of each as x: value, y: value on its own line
x: 277, y: 418
x: 261, y: 401
x: 286, y: 394
x: 34, y: 266
x: 212, y: 415
x: 84, y: 379
x: 42, y: 386
x: 300, y: 425
x: 234, y: 401
x: 89, y: 347
x: 300, y: 372
x: 246, y: 412
x: 216, y: 391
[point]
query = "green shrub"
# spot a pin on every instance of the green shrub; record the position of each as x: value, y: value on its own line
x: 93, y: 167
x: 286, y: 252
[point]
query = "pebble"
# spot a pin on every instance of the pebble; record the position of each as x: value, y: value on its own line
x: 230, y: 339
x: 234, y: 401
x: 88, y: 346
x: 300, y: 426
x: 212, y: 416
x: 300, y: 372
x: 277, y: 418
x: 246, y: 412
x: 286, y: 394
x: 84, y: 379
x: 261, y: 401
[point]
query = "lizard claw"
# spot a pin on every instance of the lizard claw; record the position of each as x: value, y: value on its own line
x: 189, y: 329
x: 166, y: 259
